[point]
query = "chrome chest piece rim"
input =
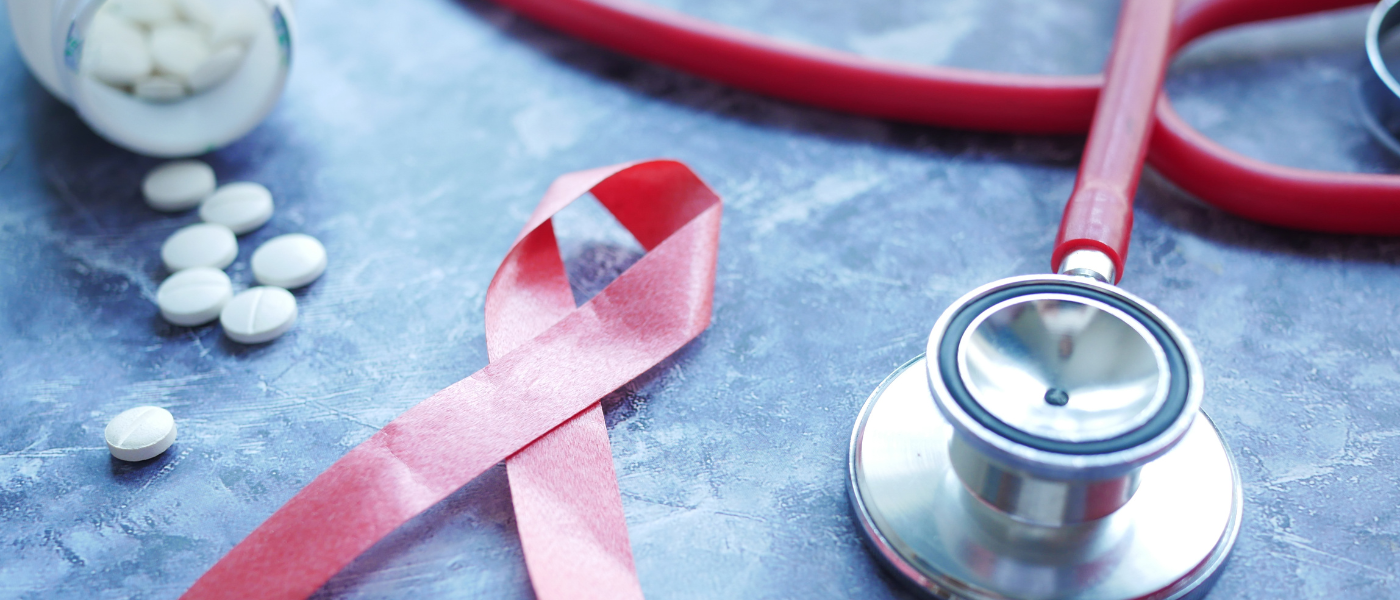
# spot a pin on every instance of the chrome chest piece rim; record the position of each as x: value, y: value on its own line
x: 1048, y: 447
x: 1175, y: 398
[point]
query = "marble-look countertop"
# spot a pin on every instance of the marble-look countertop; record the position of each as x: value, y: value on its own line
x: 416, y: 135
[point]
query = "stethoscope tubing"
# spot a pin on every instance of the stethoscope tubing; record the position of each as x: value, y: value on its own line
x: 1099, y: 214
x: 1303, y: 199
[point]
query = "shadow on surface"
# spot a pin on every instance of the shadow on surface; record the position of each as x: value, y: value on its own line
x: 482, y: 503
x: 142, y: 472
x: 592, y: 266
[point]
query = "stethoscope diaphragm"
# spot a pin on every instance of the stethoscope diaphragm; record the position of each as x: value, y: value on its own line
x: 1050, y: 444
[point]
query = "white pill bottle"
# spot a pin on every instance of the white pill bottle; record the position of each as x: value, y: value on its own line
x: 165, y: 78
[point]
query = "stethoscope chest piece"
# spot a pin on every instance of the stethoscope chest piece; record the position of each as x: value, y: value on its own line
x: 1050, y: 444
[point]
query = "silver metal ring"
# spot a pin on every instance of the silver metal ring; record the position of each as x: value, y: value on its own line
x: 1045, y: 459
x: 1379, y: 93
x: 1090, y: 263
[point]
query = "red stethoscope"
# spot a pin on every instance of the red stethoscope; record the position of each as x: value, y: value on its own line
x: 1302, y: 199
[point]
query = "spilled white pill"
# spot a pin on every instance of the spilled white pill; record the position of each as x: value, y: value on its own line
x: 140, y: 433
x: 289, y: 261
x: 115, y: 51
x: 242, y: 207
x: 178, y: 185
x: 178, y: 49
x: 159, y: 88
x: 200, y: 245
x: 194, y: 296
x: 215, y: 69
x: 259, y: 315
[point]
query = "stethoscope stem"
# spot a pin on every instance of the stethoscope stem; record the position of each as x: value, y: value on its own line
x: 1089, y: 263
x: 1099, y: 215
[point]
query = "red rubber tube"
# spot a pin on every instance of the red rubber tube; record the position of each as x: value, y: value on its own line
x: 952, y: 97
x: 1303, y: 199
x: 1283, y: 196
x: 1099, y: 214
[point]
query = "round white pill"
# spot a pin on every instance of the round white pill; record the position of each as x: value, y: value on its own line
x: 199, y: 245
x: 242, y: 207
x: 194, y: 296
x: 178, y: 49
x: 140, y: 433
x: 289, y: 261
x: 115, y: 52
x: 178, y: 185
x: 259, y: 315
x: 215, y: 69
x: 160, y: 88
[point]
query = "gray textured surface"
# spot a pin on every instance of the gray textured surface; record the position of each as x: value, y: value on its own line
x: 417, y: 135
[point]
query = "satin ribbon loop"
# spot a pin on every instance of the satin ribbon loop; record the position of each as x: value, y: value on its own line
x: 536, y: 403
x: 568, y: 509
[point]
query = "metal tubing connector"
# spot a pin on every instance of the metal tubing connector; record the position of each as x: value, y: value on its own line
x: 1089, y: 263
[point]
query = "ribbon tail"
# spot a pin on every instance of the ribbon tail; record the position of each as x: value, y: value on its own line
x: 569, y: 514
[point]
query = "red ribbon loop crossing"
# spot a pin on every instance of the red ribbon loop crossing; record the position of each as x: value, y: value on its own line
x: 550, y: 364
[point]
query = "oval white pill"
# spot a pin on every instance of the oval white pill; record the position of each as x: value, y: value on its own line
x: 178, y: 49
x: 241, y: 207
x: 200, y: 245
x: 140, y: 433
x: 289, y: 261
x: 259, y: 315
x: 194, y: 296
x: 215, y: 69
x: 115, y: 51
x: 178, y: 185
x: 159, y: 88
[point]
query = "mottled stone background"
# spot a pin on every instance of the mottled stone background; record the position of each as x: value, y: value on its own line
x: 416, y: 135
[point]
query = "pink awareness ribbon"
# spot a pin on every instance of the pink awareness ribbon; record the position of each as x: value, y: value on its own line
x: 535, y: 406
